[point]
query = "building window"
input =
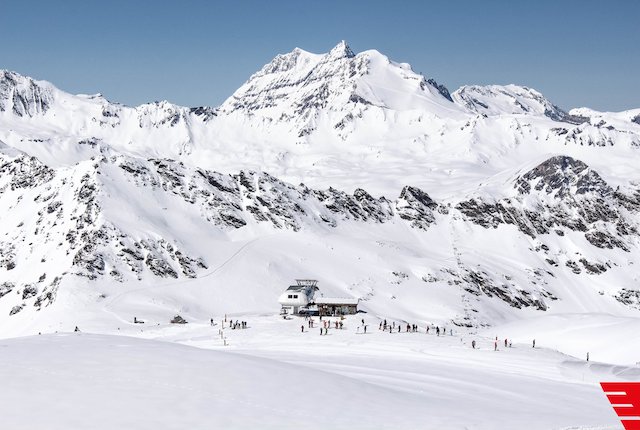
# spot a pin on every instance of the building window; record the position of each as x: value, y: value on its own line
x: 290, y: 296
x: 295, y: 296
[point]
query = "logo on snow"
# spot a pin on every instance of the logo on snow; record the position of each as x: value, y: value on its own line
x: 625, y: 399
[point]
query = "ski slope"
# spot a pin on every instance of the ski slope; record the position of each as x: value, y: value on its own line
x: 274, y: 376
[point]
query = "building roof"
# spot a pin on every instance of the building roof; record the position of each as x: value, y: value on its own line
x: 307, y: 282
x: 336, y: 301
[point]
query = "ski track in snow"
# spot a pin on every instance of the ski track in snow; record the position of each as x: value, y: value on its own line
x: 113, y: 301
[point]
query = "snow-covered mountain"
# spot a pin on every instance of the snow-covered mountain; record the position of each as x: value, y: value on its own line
x: 480, y: 207
x: 303, y: 92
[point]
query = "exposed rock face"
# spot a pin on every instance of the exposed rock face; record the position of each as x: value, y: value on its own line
x: 629, y: 297
x: 415, y: 206
x: 232, y: 201
x: 23, y: 96
x: 6, y: 288
x: 23, y: 172
x: 560, y: 193
x: 441, y: 89
x: 480, y: 282
x: 562, y: 177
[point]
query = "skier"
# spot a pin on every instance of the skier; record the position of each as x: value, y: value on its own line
x: 534, y: 343
x: 587, y: 356
x: 427, y: 329
x: 495, y: 345
x: 438, y: 331
x: 76, y: 329
x: 505, y: 342
x: 302, y: 328
x: 473, y: 344
x: 380, y: 326
x: 365, y: 329
x: 211, y: 322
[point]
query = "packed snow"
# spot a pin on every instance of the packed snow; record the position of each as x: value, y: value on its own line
x: 272, y: 375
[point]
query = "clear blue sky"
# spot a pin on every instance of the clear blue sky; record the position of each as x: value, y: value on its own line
x: 577, y: 53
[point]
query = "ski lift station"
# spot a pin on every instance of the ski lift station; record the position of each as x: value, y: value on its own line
x: 300, y: 299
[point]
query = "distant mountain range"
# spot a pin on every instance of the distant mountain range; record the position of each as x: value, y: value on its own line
x: 478, y: 206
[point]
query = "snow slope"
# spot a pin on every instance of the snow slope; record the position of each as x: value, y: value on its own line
x: 488, y: 210
x: 280, y: 378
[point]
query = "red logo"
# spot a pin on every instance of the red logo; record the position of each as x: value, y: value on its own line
x: 625, y: 399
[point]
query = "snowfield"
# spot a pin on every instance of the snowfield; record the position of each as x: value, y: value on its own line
x: 274, y: 376
x: 488, y: 211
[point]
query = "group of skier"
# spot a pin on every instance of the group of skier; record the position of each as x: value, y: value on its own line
x: 409, y: 328
x: 440, y: 331
x: 507, y: 343
x: 234, y: 325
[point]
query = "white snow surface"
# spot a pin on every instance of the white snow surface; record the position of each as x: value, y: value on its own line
x: 271, y: 375
x: 318, y: 167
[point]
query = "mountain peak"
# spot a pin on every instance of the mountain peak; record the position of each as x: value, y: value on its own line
x: 298, y: 58
x: 341, y: 50
x: 22, y: 95
x: 563, y: 176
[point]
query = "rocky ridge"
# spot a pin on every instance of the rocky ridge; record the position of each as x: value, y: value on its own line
x: 560, y: 196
